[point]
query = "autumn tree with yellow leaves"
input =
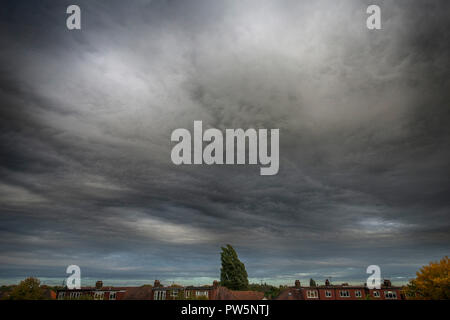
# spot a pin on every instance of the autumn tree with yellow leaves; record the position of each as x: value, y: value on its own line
x: 432, y: 282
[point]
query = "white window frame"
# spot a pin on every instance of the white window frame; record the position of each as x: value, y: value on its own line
x: 160, y: 295
x: 346, y: 295
x: 312, y: 294
x: 99, y: 295
x: 358, y: 294
x: 112, y: 295
x: 390, y: 295
x: 376, y: 294
x: 202, y: 293
x: 328, y: 294
x: 174, y: 293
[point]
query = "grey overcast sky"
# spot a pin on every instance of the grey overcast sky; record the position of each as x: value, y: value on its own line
x: 86, y: 118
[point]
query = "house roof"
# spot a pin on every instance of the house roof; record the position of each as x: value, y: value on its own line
x: 290, y: 294
x: 223, y: 293
x: 248, y: 295
x: 168, y: 288
x: 198, y: 288
x: 49, y: 294
x: 138, y: 293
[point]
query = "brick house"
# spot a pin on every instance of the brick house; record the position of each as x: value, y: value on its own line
x: 217, y: 292
x: 157, y: 292
x: 99, y: 292
x: 106, y: 293
x: 341, y: 292
x: 222, y: 293
x: 214, y: 292
x: 179, y: 292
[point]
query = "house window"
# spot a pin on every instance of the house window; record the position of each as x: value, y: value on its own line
x: 201, y: 293
x: 61, y: 295
x: 390, y: 294
x: 312, y: 294
x: 98, y: 296
x: 376, y: 294
x: 188, y: 293
x: 112, y: 296
x: 174, y: 293
x: 344, y: 293
x: 160, y: 295
x: 328, y: 294
x: 358, y: 294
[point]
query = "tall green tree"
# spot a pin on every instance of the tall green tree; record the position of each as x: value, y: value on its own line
x: 312, y: 283
x: 28, y: 289
x: 232, y: 274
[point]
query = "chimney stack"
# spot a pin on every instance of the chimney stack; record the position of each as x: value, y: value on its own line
x: 215, y: 284
x: 327, y: 282
x: 99, y: 284
x: 387, y: 283
x: 297, y: 283
x: 157, y: 284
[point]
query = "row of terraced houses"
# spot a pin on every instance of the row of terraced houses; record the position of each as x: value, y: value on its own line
x: 157, y: 292
x: 341, y: 292
x: 217, y: 292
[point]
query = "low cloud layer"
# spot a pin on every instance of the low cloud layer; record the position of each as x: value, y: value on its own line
x: 86, y: 118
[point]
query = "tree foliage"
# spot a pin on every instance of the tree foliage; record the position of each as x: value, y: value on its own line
x: 232, y: 274
x: 28, y: 289
x: 432, y: 282
x: 312, y: 283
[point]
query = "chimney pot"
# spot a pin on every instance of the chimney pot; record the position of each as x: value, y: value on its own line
x: 99, y: 284
x: 387, y: 283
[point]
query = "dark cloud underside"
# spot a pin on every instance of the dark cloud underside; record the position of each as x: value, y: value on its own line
x: 86, y: 117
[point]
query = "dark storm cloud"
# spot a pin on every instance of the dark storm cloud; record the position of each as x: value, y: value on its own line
x: 86, y: 118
